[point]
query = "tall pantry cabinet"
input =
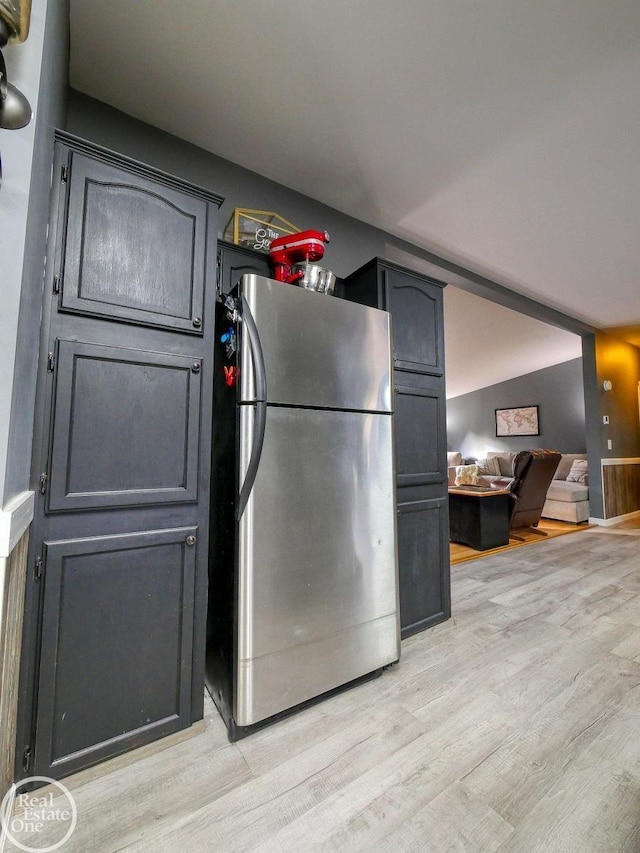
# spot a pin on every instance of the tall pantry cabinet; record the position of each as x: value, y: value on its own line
x: 113, y: 653
x: 416, y: 306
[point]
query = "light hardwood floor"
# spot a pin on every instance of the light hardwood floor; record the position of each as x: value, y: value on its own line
x: 459, y: 553
x: 515, y: 726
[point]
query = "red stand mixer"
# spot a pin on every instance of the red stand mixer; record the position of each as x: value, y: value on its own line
x: 303, y: 247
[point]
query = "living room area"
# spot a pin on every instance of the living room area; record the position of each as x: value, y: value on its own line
x: 514, y: 384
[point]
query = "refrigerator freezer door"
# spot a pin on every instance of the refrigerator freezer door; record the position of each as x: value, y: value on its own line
x: 317, y: 584
x: 319, y: 350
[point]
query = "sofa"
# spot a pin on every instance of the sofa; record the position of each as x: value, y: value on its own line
x: 483, y: 472
x: 567, y: 496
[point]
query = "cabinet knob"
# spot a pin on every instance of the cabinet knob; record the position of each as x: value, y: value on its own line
x: 195, y: 367
x: 191, y: 540
x: 196, y: 322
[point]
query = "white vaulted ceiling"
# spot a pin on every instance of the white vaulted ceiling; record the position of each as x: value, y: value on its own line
x: 486, y: 343
x: 503, y: 135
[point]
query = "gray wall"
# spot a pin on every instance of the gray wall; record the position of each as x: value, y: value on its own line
x: 557, y: 390
x: 39, y: 68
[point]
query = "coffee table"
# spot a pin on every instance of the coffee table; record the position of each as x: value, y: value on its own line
x: 479, y: 517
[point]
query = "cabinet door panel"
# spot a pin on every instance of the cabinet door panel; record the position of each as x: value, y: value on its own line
x: 416, y: 307
x: 423, y: 564
x: 134, y: 249
x: 117, y: 639
x: 125, y: 428
x: 419, y: 435
x: 236, y: 262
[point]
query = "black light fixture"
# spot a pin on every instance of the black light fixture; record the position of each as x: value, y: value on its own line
x: 15, y: 110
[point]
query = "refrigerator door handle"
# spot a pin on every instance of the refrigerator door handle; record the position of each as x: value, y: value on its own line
x: 260, y: 380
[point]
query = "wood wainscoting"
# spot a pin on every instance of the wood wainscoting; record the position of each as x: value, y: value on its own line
x: 620, y: 486
x: 10, y: 645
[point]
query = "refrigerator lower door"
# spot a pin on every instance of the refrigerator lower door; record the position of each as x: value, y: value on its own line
x: 317, y: 582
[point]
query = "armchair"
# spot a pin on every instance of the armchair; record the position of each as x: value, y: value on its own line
x: 533, y: 471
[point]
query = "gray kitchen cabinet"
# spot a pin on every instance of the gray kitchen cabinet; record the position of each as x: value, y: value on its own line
x: 236, y: 261
x: 415, y: 303
x: 423, y: 558
x: 419, y: 415
x: 133, y: 252
x: 142, y: 451
x: 115, y: 616
x: 117, y: 643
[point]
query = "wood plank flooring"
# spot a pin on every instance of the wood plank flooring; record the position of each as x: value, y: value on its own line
x: 459, y: 553
x: 512, y: 727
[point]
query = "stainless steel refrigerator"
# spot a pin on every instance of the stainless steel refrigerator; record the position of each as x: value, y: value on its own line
x: 303, y: 589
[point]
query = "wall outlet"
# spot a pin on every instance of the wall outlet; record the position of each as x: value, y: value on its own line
x: 609, y: 444
x: 605, y: 419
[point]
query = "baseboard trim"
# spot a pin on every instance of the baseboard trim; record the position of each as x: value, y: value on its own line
x: 15, y: 518
x: 608, y: 522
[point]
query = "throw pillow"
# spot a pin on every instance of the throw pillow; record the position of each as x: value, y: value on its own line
x: 505, y: 461
x: 489, y: 466
x: 466, y: 475
x: 579, y: 472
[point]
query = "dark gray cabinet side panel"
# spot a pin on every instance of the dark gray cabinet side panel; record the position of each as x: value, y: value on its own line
x: 125, y: 427
x: 423, y: 564
x: 419, y: 430
x: 134, y: 251
x: 236, y: 262
x: 363, y: 286
x: 417, y: 312
x: 115, y: 669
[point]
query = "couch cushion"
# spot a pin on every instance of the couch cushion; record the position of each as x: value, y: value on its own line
x: 579, y: 472
x: 505, y: 461
x: 454, y: 457
x: 563, y: 490
x: 564, y: 466
x: 490, y: 465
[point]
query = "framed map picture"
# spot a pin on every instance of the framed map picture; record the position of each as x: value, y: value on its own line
x: 522, y: 421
